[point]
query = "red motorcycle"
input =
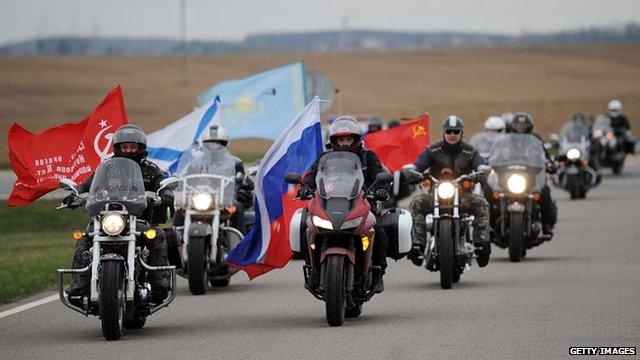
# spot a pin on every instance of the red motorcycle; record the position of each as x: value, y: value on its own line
x: 335, y: 233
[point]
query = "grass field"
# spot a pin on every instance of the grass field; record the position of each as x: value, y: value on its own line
x: 550, y: 82
x: 35, y: 241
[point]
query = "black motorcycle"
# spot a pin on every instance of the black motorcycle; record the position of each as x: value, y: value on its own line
x: 574, y: 173
x: 519, y: 164
x: 610, y: 146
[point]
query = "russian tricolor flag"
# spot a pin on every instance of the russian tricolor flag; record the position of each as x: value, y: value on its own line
x: 266, y: 246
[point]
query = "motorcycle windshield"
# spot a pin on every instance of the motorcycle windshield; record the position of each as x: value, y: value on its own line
x: 117, y: 180
x: 522, y: 153
x: 483, y: 142
x: 574, y: 133
x: 339, y: 175
x: 206, y: 168
x: 602, y: 123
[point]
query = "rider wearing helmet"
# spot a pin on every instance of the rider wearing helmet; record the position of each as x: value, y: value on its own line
x: 129, y: 141
x: 461, y: 158
x: 216, y: 139
x: 508, y: 118
x: 495, y: 124
x: 620, y: 124
x: 523, y: 124
x: 345, y: 134
x: 375, y: 124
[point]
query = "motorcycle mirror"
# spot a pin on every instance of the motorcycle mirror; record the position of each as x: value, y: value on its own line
x: 384, y: 178
x: 169, y: 183
x: 293, y: 178
x: 68, y: 184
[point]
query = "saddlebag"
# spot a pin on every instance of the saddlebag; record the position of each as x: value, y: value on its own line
x: 297, y: 231
x: 397, y: 225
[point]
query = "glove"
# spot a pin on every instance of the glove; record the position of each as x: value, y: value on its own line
x: 70, y: 201
x: 382, y: 195
x: 304, y: 194
x: 245, y: 197
x: 167, y: 198
x: 246, y: 184
x: 552, y: 168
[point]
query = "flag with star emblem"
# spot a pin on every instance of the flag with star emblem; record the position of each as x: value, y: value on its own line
x: 72, y: 150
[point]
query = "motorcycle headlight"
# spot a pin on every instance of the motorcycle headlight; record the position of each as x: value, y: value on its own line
x: 516, y: 183
x: 446, y: 190
x: 112, y: 224
x: 202, y: 201
x: 322, y: 223
x: 351, y: 223
x: 573, y: 154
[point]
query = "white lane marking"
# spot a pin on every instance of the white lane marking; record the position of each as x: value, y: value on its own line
x: 28, y: 306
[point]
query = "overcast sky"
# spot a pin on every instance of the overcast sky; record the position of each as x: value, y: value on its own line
x: 234, y: 19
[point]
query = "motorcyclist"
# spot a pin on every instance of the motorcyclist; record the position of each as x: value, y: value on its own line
x: 129, y: 141
x: 345, y: 134
x: 523, y: 124
x: 620, y: 124
x: 580, y: 125
x: 375, y: 124
x: 461, y: 158
x: 217, y: 138
x: 508, y: 118
x: 393, y: 123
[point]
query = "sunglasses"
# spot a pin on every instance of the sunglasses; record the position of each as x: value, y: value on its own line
x: 449, y: 132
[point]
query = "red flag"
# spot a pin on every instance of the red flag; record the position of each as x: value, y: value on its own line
x: 400, y: 145
x: 71, y: 151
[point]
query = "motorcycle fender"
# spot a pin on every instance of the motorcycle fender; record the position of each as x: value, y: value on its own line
x: 200, y: 229
x: 111, y: 257
x: 516, y: 207
x: 338, y: 251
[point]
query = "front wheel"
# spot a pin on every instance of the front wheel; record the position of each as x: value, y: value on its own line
x: 574, y: 186
x: 516, y: 236
x: 111, y: 300
x: 198, y: 265
x: 335, y: 290
x: 445, y: 253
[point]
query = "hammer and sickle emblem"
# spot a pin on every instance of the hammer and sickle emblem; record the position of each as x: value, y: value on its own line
x: 419, y: 130
x: 105, y: 152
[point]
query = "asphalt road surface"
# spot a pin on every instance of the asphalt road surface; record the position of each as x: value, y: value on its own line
x: 581, y: 289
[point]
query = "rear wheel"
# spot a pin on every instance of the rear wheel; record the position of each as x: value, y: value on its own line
x: 516, y: 236
x: 198, y: 265
x: 335, y: 292
x: 111, y: 300
x: 445, y: 253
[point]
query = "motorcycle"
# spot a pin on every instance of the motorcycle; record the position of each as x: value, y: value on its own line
x: 336, y: 235
x: 610, y: 147
x: 449, y: 249
x: 574, y: 173
x: 206, y: 186
x: 519, y: 164
x: 119, y: 291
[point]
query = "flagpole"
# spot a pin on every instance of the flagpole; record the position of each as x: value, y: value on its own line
x: 183, y: 37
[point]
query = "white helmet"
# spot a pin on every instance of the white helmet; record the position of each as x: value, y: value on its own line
x: 495, y: 124
x: 615, y: 108
x: 216, y: 134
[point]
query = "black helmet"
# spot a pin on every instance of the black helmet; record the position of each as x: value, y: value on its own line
x: 393, y: 123
x: 522, y: 123
x: 345, y: 126
x: 579, y: 118
x: 452, y: 122
x: 130, y: 133
x: 374, y: 125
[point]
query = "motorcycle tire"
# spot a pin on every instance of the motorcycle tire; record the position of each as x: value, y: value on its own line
x: 516, y: 236
x: 198, y: 265
x: 335, y: 295
x: 111, y: 300
x: 445, y: 253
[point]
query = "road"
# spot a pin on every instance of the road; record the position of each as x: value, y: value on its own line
x: 581, y: 289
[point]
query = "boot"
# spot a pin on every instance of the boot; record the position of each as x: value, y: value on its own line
x: 483, y: 251
x: 416, y: 254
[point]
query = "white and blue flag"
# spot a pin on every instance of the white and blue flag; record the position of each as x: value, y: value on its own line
x: 166, y: 145
x: 261, y: 105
